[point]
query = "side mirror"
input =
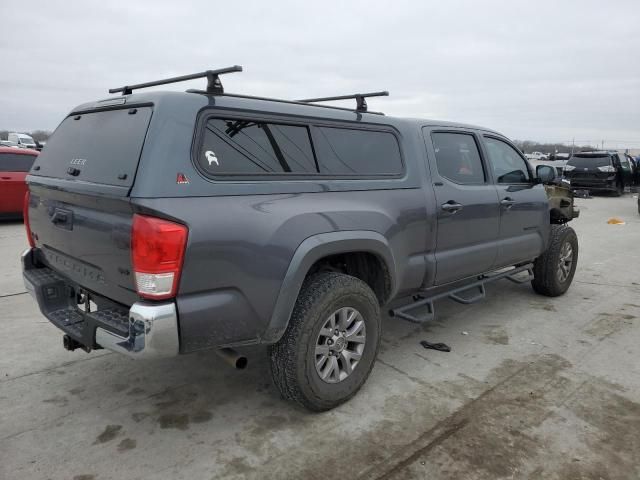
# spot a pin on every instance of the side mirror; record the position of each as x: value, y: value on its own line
x: 545, y: 173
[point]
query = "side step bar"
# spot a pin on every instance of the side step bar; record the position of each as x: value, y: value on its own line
x: 476, y: 290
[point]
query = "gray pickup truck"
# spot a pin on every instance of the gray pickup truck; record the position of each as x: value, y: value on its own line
x: 165, y: 223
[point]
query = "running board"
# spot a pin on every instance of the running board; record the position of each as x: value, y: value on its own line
x: 458, y: 294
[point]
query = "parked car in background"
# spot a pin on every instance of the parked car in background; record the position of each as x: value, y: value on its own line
x: 557, y: 165
x: 560, y: 156
x: 599, y: 171
x: 22, y: 140
x: 7, y: 143
x: 536, y: 156
x: 15, y: 163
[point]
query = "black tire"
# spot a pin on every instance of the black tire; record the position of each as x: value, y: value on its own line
x: 548, y: 275
x: 293, y: 367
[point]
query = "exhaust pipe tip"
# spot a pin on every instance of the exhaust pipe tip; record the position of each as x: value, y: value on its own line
x: 233, y: 358
x: 241, y: 362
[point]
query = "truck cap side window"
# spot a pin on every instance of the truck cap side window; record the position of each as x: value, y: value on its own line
x: 458, y: 158
x: 508, y: 166
x: 254, y: 147
x: 345, y: 151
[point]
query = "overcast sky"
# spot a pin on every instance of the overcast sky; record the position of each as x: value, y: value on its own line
x: 540, y: 70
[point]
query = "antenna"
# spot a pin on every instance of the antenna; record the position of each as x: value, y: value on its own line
x: 361, y: 103
x: 214, y: 85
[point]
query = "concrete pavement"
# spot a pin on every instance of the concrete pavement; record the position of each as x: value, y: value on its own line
x: 537, y: 388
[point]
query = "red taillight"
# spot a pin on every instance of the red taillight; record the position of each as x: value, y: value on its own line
x: 157, y: 250
x: 25, y: 218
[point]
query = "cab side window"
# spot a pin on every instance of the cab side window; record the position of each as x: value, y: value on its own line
x: 507, y: 164
x: 458, y: 158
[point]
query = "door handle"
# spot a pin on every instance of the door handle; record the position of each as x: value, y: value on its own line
x: 507, y: 202
x: 59, y: 217
x: 451, y: 206
x: 6, y: 178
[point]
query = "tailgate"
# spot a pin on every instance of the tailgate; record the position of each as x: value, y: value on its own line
x: 85, y: 238
x: 79, y: 210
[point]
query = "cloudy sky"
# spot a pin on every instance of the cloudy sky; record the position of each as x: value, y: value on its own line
x: 536, y: 69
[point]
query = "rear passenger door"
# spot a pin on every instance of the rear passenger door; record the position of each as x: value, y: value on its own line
x: 467, y: 205
x: 524, y: 210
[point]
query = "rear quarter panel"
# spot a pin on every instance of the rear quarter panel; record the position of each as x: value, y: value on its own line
x: 240, y: 248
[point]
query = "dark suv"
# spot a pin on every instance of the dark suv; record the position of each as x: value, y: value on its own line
x: 599, y: 171
x: 167, y: 223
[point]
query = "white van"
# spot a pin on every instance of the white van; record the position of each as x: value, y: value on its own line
x: 22, y: 140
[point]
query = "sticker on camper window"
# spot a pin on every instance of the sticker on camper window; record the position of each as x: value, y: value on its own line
x: 211, y: 157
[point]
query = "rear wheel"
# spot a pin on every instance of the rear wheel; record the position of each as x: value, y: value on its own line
x: 554, y: 270
x: 331, y: 343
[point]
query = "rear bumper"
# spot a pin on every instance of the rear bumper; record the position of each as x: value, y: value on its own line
x: 146, y: 330
x: 593, y: 184
x: 153, y: 332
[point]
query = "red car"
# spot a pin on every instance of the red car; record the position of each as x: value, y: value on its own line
x: 15, y: 164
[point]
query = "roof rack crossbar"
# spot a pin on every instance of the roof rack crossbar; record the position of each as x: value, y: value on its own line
x: 214, y: 85
x: 361, y: 103
x: 292, y: 102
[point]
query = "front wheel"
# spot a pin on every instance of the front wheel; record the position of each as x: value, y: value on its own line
x: 331, y: 342
x: 554, y: 270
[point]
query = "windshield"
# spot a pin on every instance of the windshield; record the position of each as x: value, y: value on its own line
x: 590, y: 161
x: 26, y: 139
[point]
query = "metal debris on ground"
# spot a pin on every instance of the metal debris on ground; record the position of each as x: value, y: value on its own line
x: 441, y: 347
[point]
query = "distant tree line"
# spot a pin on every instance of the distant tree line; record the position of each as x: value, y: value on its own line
x: 528, y: 146
x: 39, y: 135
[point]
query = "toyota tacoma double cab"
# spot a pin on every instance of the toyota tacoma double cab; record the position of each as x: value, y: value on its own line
x: 165, y: 223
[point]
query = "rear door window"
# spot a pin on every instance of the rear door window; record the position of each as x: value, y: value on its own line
x: 507, y: 164
x: 104, y: 146
x: 255, y: 147
x: 624, y: 163
x: 345, y: 151
x: 15, y: 162
x: 458, y: 158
